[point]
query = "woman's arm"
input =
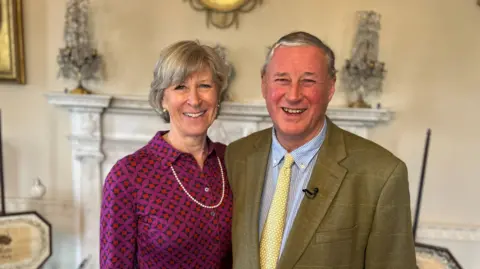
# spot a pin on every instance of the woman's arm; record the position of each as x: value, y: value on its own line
x: 118, y: 223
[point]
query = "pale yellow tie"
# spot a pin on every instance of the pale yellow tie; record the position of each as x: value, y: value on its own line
x: 272, y: 233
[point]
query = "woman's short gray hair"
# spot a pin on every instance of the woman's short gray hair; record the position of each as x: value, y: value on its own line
x: 303, y: 39
x: 180, y: 60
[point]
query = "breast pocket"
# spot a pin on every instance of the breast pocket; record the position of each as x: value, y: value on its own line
x: 332, y: 236
x: 330, y: 249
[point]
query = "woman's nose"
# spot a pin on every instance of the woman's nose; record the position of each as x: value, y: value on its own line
x: 193, y: 98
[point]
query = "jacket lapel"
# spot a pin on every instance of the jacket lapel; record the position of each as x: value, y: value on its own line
x: 256, y: 169
x: 327, y: 176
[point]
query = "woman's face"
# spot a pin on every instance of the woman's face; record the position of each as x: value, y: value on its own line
x: 192, y: 104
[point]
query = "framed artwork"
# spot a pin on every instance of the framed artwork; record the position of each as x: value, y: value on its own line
x: 12, y: 60
x: 435, y: 257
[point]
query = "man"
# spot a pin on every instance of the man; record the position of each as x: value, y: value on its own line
x: 308, y: 194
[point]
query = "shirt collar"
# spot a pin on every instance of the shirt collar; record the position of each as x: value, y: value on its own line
x: 303, y: 155
x: 167, y: 153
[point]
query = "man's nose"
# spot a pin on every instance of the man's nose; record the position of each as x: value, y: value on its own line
x: 294, y: 93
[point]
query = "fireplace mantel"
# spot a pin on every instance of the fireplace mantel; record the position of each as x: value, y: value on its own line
x: 356, y: 120
x: 105, y: 128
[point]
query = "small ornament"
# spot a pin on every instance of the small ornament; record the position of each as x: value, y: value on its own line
x: 37, y: 190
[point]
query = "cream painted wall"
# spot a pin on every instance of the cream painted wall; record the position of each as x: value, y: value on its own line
x: 431, y: 50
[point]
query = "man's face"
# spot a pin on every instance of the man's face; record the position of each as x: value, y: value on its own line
x: 297, y: 89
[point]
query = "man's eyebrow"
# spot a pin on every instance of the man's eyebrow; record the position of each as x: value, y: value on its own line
x: 280, y: 74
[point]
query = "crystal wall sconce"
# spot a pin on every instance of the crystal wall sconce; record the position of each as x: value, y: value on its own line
x: 363, y: 74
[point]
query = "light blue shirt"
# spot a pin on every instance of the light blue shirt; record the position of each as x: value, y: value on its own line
x: 304, y: 160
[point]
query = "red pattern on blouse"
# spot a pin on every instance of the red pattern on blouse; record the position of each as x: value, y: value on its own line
x: 148, y: 221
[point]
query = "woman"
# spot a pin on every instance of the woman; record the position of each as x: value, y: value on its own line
x: 169, y: 205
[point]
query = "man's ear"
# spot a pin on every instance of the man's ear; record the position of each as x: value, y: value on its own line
x: 331, y: 90
x: 264, y: 86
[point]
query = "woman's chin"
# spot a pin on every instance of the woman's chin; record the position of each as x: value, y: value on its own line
x: 195, y: 131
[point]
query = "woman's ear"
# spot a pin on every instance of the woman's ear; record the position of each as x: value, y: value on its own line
x: 164, y: 104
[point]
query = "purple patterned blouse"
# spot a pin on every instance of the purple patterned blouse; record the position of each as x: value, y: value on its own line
x: 148, y: 221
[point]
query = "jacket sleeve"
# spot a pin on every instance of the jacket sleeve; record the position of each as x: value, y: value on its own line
x: 390, y: 243
x: 118, y: 223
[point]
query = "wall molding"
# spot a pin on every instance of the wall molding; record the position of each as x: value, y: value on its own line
x: 452, y: 232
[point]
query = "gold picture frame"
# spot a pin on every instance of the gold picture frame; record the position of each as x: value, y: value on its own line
x: 12, y: 58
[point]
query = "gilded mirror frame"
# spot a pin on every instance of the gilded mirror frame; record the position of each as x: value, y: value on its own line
x: 223, y: 14
x: 12, y: 57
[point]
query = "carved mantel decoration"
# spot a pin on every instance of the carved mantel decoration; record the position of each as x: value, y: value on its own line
x: 223, y: 14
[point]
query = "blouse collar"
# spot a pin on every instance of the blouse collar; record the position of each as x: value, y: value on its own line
x: 168, y: 154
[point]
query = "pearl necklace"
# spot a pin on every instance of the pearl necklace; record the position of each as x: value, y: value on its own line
x: 195, y: 200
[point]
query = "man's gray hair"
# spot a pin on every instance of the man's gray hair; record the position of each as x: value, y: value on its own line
x: 303, y: 39
x: 180, y: 60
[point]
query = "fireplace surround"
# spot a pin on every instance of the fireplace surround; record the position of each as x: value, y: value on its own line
x: 104, y: 128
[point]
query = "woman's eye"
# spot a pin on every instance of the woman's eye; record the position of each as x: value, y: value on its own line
x: 180, y: 87
x: 205, y: 86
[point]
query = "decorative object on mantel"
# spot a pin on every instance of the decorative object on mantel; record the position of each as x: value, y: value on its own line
x: 38, y: 190
x: 78, y: 61
x: 363, y: 74
x: 25, y: 237
x: 221, y: 50
x: 429, y: 256
x: 224, y: 13
x: 12, y: 57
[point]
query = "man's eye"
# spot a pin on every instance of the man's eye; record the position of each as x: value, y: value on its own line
x: 283, y: 80
x: 311, y: 81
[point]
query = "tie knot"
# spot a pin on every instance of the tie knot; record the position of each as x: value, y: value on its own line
x: 288, y: 160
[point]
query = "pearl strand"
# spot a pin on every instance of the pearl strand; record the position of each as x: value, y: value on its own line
x: 191, y: 197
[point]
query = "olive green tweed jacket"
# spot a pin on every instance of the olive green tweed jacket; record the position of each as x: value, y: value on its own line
x: 360, y: 218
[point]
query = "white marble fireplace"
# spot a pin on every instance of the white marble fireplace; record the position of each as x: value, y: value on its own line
x: 105, y: 128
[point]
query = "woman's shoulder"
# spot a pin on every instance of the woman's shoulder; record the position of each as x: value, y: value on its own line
x: 219, y: 149
x: 131, y: 161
